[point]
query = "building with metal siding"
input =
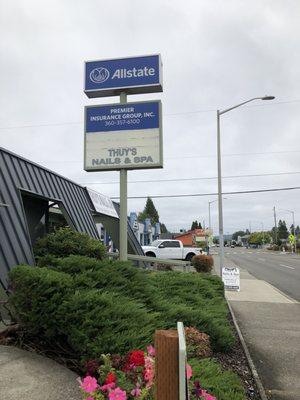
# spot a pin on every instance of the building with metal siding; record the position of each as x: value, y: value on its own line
x: 22, y: 179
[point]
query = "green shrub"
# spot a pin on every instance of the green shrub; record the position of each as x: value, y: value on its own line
x: 65, y: 241
x: 202, y: 263
x: 99, y: 322
x: 225, y: 385
x: 37, y: 293
x: 75, y: 264
x: 196, y: 300
x: 48, y: 261
x: 100, y: 305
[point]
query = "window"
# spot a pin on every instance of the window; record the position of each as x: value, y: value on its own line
x: 172, y: 244
x: 42, y: 215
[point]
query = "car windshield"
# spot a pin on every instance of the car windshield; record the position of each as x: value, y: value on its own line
x: 155, y: 243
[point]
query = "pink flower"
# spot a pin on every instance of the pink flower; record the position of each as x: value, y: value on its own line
x: 207, y: 396
x: 136, y: 392
x: 189, y: 371
x: 149, y: 371
x: 107, y: 387
x: 90, y: 398
x: 89, y: 384
x: 117, y: 394
x: 151, y: 350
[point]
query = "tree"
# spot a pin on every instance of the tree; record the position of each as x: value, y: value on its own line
x: 297, y: 230
x: 235, y: 235
x: 149, y: 212
x: 247, y: 232
x: 163, y: 228
x: 259, y: 238
x: 282, y: 230
x: 196, y: 225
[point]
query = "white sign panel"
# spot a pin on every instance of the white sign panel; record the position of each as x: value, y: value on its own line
x: 123, y: 136
x: 183, y: 392
x: 102, y: 204
x: 231, y: 278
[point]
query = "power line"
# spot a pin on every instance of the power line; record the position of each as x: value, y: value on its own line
x: 193, y: 179
x: 198, y: 156
x: 165, y: 115
x: 237, y: 154
x: 210, y: 194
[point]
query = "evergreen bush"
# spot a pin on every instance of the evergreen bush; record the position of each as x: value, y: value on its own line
x: 65, y: 241
x: 37, y: 294
x: 110, y: 306
x: 98, y: 321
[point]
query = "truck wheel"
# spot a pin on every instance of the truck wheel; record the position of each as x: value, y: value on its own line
x: 150, y: 254
x: 189, y: 257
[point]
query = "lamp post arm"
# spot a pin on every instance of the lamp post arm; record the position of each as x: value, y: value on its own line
x: 238, y: 105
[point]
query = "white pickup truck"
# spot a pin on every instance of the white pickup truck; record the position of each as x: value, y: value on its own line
x: 172, y: 249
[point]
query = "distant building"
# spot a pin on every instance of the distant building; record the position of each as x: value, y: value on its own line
x: 192, y: 238
x: 144, y: 231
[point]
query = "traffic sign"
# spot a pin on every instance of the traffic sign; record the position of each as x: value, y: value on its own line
x: 132, y: 74
x: 292, y: 238
x: 123, y: 136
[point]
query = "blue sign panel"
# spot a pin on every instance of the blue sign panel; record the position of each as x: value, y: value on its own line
x: 133, y: 75
x: 122, y: 117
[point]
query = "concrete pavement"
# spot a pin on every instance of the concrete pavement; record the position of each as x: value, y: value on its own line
x: 270, y: 323
x: 27, y: 376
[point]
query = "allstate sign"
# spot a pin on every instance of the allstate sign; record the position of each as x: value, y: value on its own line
x: 133, y: 75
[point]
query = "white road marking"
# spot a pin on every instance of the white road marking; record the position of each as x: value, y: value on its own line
x: 262, y: 259
x: 286, y: 266
x: 249, y: 252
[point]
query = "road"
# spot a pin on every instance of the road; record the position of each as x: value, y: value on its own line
x: 280, y: 270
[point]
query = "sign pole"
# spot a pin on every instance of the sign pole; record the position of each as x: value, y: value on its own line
x: 123, y: 202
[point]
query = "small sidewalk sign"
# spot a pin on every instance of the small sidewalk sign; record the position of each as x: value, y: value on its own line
x: 231, y: 278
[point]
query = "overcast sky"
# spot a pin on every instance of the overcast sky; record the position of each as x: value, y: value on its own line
x: 215, y: 54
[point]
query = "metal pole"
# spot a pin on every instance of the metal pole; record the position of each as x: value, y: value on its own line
x: 294, y: 232
x: 220, y: 205
x: 209, y: 218
x: 275, y: 221
x: 123, y: 203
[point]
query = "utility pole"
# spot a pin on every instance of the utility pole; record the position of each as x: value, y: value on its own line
x: 275, y: 221
x: 123, y: 202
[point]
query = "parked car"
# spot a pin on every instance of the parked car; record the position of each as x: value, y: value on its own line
x: 171, y: 249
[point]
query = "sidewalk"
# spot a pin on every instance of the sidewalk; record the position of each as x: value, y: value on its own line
x: 270, y: 324
x: 28, y: 376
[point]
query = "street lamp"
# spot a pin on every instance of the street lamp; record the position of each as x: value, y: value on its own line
x: 293, y: 214
x: 219, y: 113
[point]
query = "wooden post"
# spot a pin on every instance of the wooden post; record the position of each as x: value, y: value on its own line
x: 166, y: 365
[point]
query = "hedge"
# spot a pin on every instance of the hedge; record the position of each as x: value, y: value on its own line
x: 100, y: 306
x: 65, y: 241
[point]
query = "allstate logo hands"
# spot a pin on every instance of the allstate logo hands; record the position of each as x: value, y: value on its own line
x: 99, y: 75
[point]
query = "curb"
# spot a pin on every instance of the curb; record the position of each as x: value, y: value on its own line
x: 256, y: 377
x: 294, y: 301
